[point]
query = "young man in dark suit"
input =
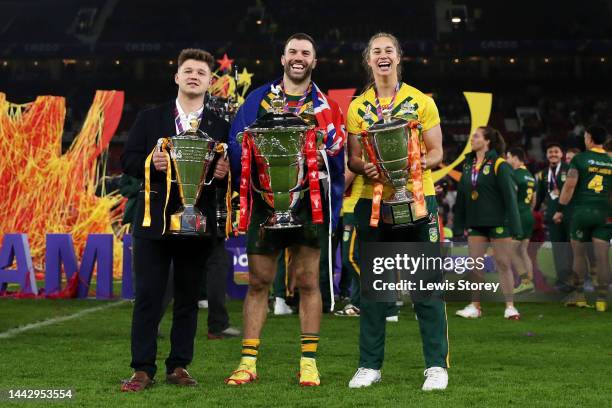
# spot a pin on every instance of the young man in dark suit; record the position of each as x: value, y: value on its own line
x: 153, y: 251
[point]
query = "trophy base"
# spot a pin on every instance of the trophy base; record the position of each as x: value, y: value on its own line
x: 401, y: 214
x: 189, y: 221
x: 282, y: 220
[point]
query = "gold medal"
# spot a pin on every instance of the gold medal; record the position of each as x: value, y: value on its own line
x: 194, y: 123
x: 474, y: 195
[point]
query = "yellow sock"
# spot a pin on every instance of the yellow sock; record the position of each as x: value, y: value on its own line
x: 250, y: 348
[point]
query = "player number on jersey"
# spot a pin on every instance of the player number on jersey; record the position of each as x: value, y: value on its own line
x: 596, y: 183
x: 529, y: 196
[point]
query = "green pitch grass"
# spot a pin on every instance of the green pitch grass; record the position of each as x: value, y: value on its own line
x: 553, y: 357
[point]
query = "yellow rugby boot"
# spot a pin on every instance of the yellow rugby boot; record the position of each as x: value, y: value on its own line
x: 245, y: 373
x: 577, y: 300
x: 309, y: 374
x: 601, y: 305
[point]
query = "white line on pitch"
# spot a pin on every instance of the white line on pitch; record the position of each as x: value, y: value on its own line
x: 31, y: 326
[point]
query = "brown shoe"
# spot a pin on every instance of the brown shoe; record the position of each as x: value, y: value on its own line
x: 139, y: 381
x: 180, y: 376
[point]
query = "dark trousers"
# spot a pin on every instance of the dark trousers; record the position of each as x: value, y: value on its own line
x: 214, y: 287
x: 152, y: 260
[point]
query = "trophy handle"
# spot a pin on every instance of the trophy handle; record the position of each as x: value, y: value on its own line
x: 370, y: 153
x: 163, y: 145
x: 220, y: 148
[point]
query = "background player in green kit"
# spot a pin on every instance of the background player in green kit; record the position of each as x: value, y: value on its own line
x: 549, y: 184
x: 587, y: 189
x: 525, y: 188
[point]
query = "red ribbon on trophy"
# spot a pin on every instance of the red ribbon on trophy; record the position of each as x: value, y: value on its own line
x: 313, y: 176
x: 377, y: 187
x: 264, y: 180
x: 416, y: 171
x: 245, y: 183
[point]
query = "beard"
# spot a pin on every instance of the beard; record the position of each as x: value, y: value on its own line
x: 298, y: 78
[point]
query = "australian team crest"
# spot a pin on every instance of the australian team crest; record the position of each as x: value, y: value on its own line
x: 486, y: 169
x: 407, y: 108
x: 563, y: 177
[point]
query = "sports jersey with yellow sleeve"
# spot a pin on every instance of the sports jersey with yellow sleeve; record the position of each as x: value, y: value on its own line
x: 409, y: 101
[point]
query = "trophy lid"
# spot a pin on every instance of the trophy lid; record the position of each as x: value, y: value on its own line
x: 387, y: 124
x: 284, y: 120
x: 192, y: 133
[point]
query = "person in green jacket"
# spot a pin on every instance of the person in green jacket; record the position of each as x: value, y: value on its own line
x: 487, y: 207
x: 129, y: 187
x: 587, y: 188
x: 525, y: 188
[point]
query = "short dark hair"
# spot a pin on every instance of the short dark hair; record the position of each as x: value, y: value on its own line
x: 608, y: 145
x: 574, y: 150
x: 598, y: 134
x: 196, y: 54
x: 518, y: 152
x: 301, y: 36
x: 550, y: 145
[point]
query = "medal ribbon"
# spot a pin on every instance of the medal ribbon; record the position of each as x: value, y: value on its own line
x: 391, y: 104
x: 552, y: 178
x: 296, y: 109
x: 475, y: 173
x: 179, y: 124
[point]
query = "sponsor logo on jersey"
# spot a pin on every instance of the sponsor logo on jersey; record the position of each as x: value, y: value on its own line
x: 433, y: 234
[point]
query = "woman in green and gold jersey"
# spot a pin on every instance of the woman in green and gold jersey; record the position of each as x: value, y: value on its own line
x: 382, y: 59
x: 486, y: 206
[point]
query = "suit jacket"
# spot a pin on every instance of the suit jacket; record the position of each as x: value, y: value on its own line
x: 150, y: 125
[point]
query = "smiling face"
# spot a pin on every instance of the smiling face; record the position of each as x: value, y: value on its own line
x: 299, y: 60
x: 193, y: 78
x: 554, y: 155
x: 383, y: 57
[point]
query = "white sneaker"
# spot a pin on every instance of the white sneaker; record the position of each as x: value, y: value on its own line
x: 281, y: 308
x: 364, y: 377
x: 203, y: 304
x: 436, y: 379
x: 393, y: 319
x: 511, y: 313
x: 469, y: 312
